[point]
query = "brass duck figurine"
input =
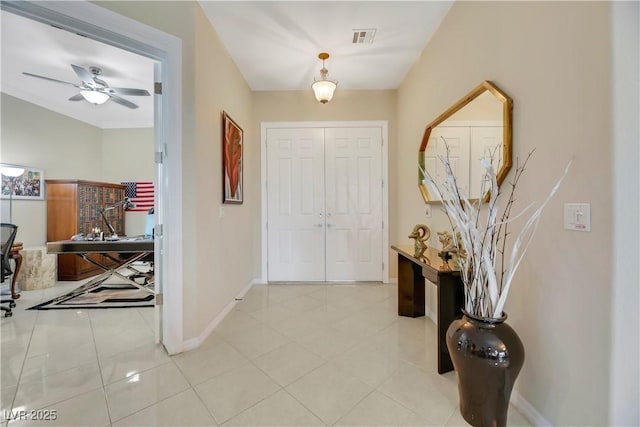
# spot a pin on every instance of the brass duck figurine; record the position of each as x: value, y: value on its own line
x: 420, y: 234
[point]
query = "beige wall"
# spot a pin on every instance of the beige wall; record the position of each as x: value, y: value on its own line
x: 127, y: 155
x: 347, y: 105
x: 225, y: 258
x: 557, y: 70
x: 216, y: 265
x: 62, y: 147
x: 65, y: 148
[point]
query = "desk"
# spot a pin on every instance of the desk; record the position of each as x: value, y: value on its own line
x: 412, y: 273
x: 135, y: 249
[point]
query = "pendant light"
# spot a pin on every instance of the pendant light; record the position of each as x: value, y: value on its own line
x: 324, y: 88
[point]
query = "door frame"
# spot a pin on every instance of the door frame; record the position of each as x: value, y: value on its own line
x: 125, y: 33
x: 382, y: 124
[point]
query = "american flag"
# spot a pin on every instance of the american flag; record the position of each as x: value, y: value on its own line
x: 141, y: 194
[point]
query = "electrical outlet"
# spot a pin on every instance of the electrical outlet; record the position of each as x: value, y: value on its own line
x: 427, y: 212
x: 221, y: 212
x: 577, y: 216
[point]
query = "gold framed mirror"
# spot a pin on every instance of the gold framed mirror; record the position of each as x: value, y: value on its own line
x: 478, y: 125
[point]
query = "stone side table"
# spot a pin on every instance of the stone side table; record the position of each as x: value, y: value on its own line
x: 39, y: 269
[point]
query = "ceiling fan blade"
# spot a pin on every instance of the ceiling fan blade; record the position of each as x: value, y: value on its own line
x: 84, y: 75
x: 123, y: 101
x: 128, y: 91
x: 77, y: 97
x: 50, y: 79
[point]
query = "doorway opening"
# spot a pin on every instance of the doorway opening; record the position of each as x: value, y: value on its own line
x: 102, y: 25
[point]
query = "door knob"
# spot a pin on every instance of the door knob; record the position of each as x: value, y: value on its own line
x: 330, y: 225
x: 317, y: 225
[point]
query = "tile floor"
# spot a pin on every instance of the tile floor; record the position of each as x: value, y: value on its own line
x: 287, y: 355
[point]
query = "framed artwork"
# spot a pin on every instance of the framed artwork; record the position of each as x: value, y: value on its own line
x: 232, y: 142
x: 28, y: 186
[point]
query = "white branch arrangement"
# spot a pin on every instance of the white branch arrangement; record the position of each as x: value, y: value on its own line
x: 484, y: 237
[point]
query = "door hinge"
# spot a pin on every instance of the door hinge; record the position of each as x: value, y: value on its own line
x: 159, y: 299
x: 157, y: 88
x: 383, y: 265
x: 157, y: 230
x: 160, y: 155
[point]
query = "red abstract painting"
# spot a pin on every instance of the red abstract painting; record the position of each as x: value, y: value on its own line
x: 232, y: 142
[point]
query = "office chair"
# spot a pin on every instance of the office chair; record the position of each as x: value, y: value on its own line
x: 8, y: 232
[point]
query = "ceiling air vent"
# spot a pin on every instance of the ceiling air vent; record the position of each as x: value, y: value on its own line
x: 364, y: 36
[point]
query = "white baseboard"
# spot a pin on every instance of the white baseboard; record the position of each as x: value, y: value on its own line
x: 193, y: 343
x: 391, y: 281
x: 528, y: 410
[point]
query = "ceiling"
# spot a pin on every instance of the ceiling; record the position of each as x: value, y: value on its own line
x: 274, y: 44
x: 33, y: 47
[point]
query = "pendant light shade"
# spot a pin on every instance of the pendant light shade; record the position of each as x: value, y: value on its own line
x: 94, y: 96
x: 324, y: 88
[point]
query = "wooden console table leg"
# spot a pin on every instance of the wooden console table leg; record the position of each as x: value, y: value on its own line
x: 18, y: 258
x: 410, y: 288
x: 450, y: 303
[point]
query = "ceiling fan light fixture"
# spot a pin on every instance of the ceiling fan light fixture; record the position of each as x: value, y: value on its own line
x: 94, y: 97
x: 324, y: 88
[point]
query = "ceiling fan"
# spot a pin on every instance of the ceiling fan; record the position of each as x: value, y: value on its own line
x: 95, y: 90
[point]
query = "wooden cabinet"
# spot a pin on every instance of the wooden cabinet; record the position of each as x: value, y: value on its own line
x: 73, y: 206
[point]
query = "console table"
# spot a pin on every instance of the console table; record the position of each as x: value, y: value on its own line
x: 412, y: 273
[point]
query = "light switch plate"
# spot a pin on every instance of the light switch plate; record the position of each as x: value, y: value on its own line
x: 577, y: 216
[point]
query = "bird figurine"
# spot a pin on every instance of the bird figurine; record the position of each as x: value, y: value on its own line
x: 420, y: 234
x: 451, y: 250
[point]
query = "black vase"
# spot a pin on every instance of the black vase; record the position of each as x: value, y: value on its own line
x: 487, y: 354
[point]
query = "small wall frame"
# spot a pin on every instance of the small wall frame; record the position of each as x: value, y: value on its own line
x: 28, y: 186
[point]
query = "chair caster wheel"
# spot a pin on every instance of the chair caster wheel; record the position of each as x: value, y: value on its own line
x: 12, y: 304
x: 8, y: 314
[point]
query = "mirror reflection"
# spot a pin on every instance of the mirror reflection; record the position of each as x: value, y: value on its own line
x: 477, y: 126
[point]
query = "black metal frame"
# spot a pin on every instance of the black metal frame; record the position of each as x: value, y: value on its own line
x: 137, y: 250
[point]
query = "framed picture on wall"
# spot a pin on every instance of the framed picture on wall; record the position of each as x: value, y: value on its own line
x: 24, y: 182
x: 232, y: 142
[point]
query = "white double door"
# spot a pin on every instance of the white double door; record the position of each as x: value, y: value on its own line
x: 324, y: 203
